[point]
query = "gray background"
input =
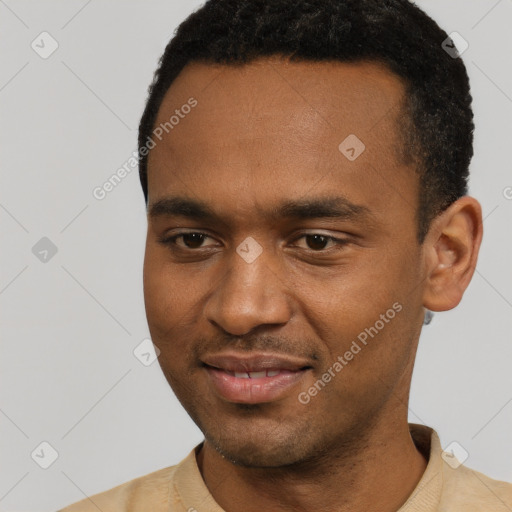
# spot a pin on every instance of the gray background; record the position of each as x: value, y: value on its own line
x: 69, y: 325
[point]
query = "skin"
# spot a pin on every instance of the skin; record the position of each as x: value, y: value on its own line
x: 261, y: 134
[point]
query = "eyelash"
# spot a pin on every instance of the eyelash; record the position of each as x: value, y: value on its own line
x: 171, y: 241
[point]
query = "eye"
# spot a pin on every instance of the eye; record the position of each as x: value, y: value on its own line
x: 317, y: 241
x: 191, y: 240
x: 194, y: 240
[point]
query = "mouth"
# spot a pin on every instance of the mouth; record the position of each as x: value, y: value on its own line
x: 255, y: 378
x: 253, y: 374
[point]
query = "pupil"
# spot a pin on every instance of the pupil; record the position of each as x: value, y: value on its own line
x: 195, y: 238
x: 317, y: 238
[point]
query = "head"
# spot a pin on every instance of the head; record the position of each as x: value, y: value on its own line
x: 305, y: 168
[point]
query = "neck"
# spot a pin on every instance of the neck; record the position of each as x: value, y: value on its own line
x: 380, y: 475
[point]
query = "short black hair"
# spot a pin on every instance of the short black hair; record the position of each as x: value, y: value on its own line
x: 437, y: 132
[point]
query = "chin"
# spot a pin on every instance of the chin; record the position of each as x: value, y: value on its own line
x: 264, y: 447
x: 249, y: 436
x: 251, y: 455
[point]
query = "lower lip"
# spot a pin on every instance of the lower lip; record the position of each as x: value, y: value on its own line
x: 253, y: 391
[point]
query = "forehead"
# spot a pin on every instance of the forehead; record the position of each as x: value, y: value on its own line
x: 274, y: 128
x: 340, y: 95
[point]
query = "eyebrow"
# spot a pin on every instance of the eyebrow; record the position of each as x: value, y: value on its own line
x: 310, y: 208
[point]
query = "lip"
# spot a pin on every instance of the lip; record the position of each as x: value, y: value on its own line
x: 230, y: 376
x: 254, y: 362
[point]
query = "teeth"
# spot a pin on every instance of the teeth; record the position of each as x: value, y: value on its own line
x: 256, y: 375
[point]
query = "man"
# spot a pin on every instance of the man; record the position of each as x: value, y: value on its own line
x: 305, y: 168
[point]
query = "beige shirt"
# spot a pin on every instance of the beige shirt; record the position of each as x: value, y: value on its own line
x: 445, y: 486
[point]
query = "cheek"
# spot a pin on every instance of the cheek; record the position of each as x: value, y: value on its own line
x: 173, y: 302
x: 164, y: 288
x: 165, y: 309
x: 158, y: 292
x: 366, y: 312
x: 351, y: 299
x: 164, y: 296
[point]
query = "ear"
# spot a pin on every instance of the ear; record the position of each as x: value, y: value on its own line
x: 451, y: 250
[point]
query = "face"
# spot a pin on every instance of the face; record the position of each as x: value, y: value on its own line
x: 282, y: 275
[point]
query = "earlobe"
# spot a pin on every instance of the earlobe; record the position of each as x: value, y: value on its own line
x: 451, y: 251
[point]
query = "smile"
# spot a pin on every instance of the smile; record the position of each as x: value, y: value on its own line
x: 256, y: 378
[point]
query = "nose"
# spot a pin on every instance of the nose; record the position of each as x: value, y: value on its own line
x: 248, y: 296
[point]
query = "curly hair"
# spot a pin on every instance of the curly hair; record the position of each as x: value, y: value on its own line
x: 437, y: 132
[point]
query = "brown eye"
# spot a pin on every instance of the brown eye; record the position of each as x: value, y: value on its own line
x: 316, y: 242
x: 190, y: 240
x: 193, y: 240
